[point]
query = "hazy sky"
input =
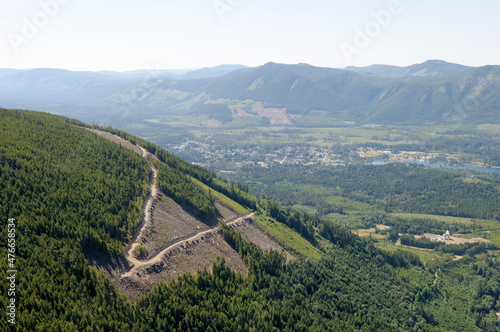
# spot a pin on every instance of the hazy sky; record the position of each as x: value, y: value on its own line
x: 168, y: 34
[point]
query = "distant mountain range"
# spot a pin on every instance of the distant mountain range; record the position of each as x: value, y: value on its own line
x: 433, y: 68
x: 429, y: 93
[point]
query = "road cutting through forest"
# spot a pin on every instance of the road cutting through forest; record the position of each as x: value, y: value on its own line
x: 136, y: 263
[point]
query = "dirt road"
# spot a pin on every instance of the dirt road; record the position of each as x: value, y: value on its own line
x: 153, y: 188
x: 177, y: 243
x: 436, y: 277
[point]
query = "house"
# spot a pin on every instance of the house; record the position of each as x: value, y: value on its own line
x: 447, y: 235
x: 432, y: 237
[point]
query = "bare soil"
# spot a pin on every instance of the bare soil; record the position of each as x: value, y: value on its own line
x: 198, y: 254
x: 460, y: 240
x: 170, y: 221
x: 275, y: 115
x: 177, y: 243
x: 259, y: 237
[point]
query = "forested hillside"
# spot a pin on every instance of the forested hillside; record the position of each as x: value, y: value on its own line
x: 71, y: 193
x: 76, y: 196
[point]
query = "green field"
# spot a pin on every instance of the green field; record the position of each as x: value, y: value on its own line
x: 447, y: 219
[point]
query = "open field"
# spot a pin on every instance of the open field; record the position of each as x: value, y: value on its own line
x: 460, y: 239
x: 447, y: 219
x: 369, y: 233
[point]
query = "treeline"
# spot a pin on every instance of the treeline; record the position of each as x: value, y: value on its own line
x: 346, y: 239
x: 200, y: 173
x: 181, y: 188
x: 415, y: 189
x: 238, y: 192
x: 419, y: 226
x: 301, y: 222
x: 389, y: 188
x: 259, y: 263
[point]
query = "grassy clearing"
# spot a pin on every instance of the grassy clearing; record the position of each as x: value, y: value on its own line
x: 287, y: 238
x: 447, y: 219
x: 492, y: 128
x: 137, y: 126
x: 369, y: 233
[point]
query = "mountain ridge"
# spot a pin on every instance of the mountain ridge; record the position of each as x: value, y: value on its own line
x: 440, y: 67
x: 429, y: 93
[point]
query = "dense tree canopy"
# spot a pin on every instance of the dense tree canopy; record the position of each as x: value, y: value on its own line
x: 75, y: 195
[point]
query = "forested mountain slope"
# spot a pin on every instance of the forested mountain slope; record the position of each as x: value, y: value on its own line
x: 76, y: 197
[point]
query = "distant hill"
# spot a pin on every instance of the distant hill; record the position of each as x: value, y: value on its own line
x: 303, y: 90
x: 179, y: 74
x: 429, y: 68
x: 429, y: 93
x: 58, y: 85
x: 210, y: 72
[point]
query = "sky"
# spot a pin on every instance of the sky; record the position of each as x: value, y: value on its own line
x: 123, y: 35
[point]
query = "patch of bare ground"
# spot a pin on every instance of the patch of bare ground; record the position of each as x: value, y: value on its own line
x: 461, y: 240
x: 259, y: 237
x: 117, y: 140
x: 211, y: 123
x: 188, y: 257
x: 225, y: 213
x: 275, y: 115
x: 172, y: 221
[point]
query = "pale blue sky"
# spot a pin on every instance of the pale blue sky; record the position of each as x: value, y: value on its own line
x: 169, y: 34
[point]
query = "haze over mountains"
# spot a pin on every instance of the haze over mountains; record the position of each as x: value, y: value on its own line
x: 429, y: 68
x: 429, y: 93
